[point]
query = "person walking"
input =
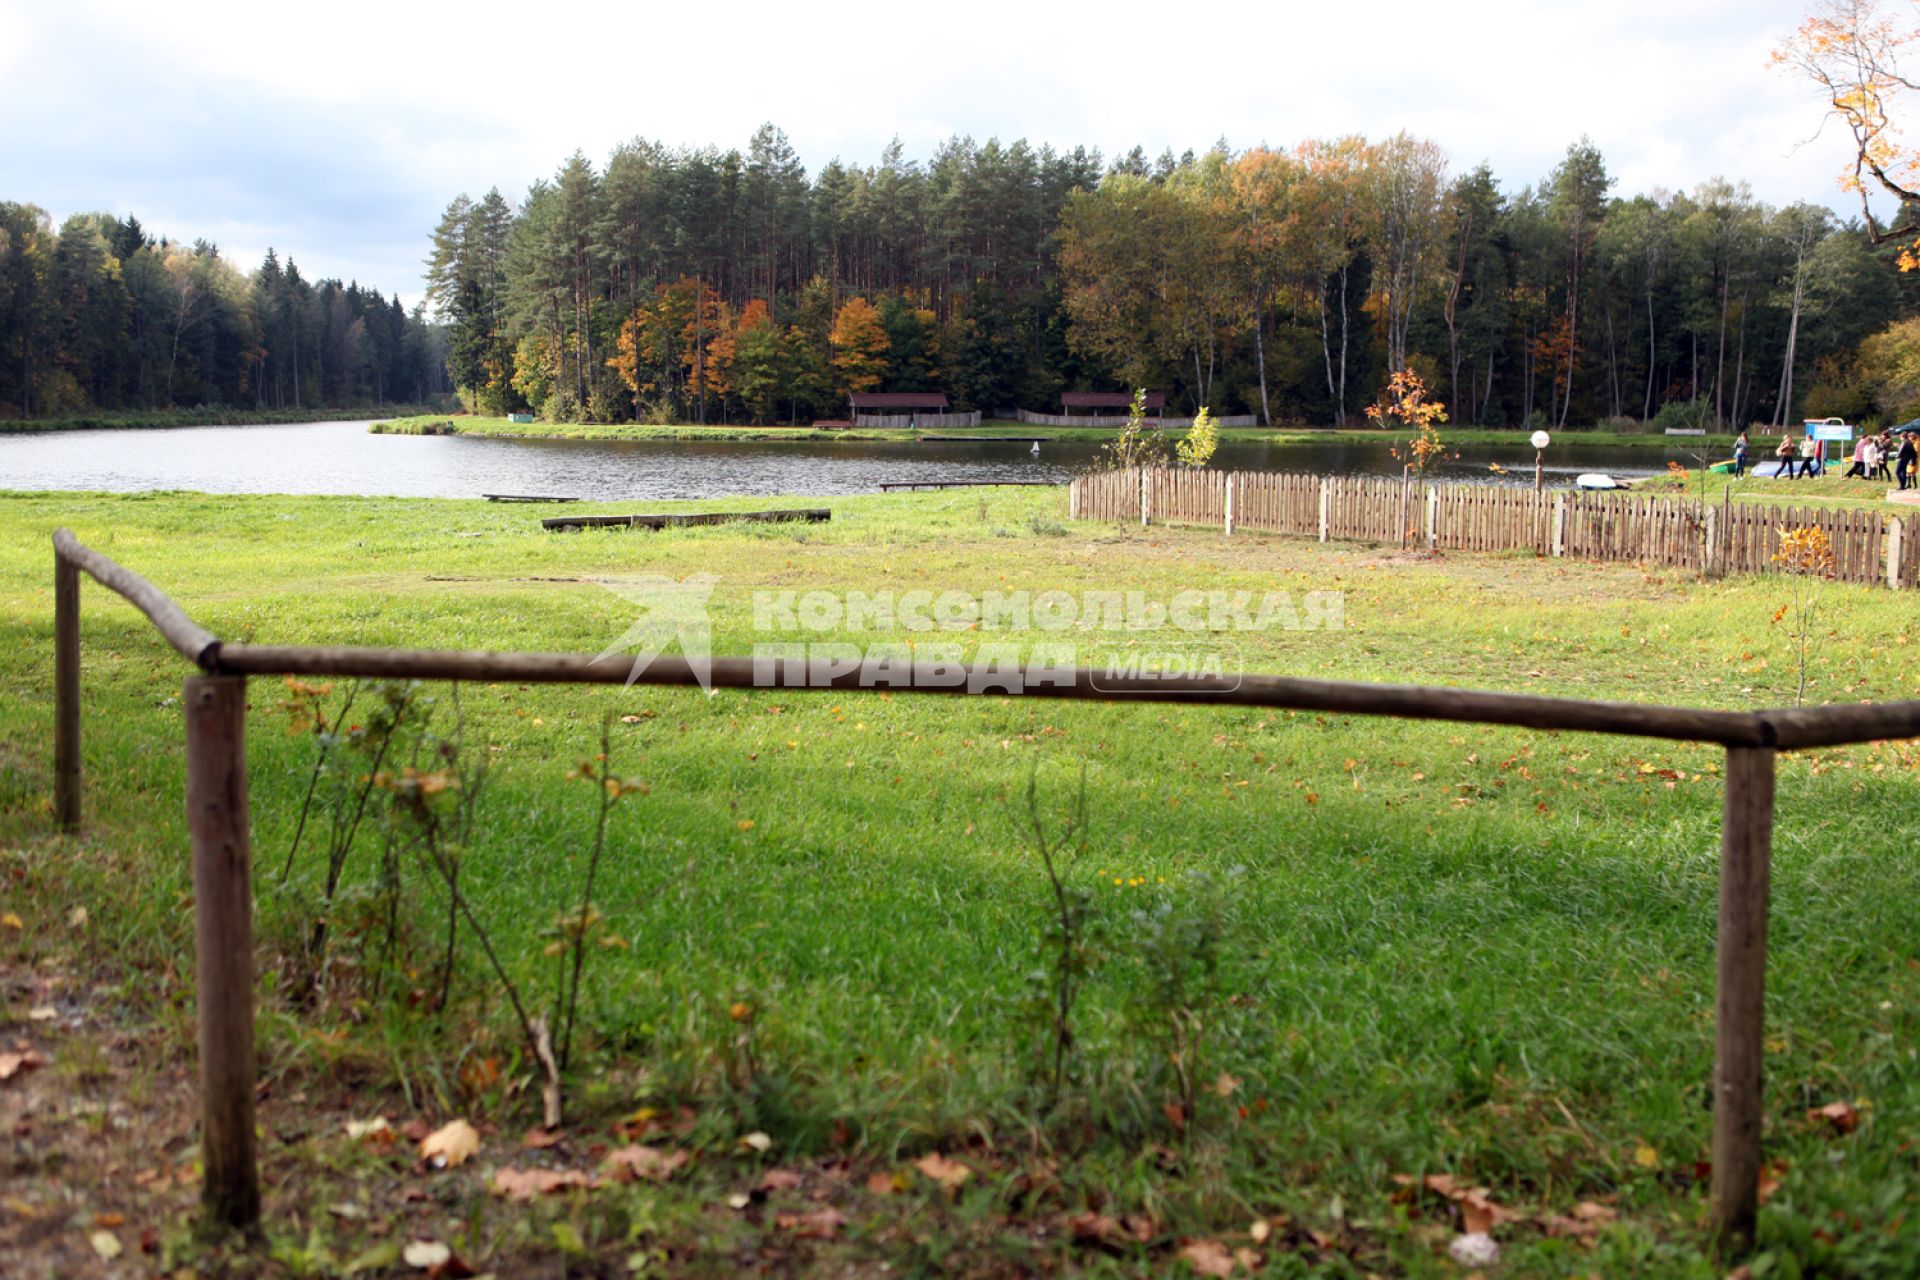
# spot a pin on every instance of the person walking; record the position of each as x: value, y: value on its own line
x: 1812, y: 453
x: 1882, y: 450
x: 1859, y: 467
x: 1869, y: 456
x: 1904, y: 468
x: 1740, y: 455
x: 1785, y: 454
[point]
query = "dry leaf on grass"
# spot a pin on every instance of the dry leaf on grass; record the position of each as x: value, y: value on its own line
x: 541, y: 1139
x: 950, y: 1174
x: 821, y: 1224
x: 374, y: 1130
x: 1104, y: 1228
x: 424, y: 1255
x: 106, y: 1244
x: 451, y: 1145
x: 885, y: 1184
x: 522, y: 1185
x: 12, y: 1064
x: 777, y: 1180
x: 1837, y: 1118
x: 639, y: 1163
x: 1211, y: 1258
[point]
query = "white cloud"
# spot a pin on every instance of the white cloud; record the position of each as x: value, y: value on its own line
x: 347, y: 128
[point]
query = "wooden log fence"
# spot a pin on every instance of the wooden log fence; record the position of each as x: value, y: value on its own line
x: 1869, y: 548
x: 218, y: 823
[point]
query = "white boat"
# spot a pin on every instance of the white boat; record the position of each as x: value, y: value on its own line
x: 1596, y: 480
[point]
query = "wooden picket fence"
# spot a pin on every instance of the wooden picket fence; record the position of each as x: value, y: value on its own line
x: 1868, y: 547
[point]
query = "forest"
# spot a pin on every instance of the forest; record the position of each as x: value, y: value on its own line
x: 101, y: 316
x: 707, y: 285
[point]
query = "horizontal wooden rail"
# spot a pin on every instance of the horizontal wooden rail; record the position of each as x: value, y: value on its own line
x: 192, y: 641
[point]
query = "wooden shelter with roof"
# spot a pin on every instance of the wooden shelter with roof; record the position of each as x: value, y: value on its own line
x: 896, y: 408
x: 1096, y: 404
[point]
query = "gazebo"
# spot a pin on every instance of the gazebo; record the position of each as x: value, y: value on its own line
x: 1094, y: 404
x: 872, y: 408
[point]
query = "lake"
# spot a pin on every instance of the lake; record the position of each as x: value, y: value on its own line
x: 344, y: 458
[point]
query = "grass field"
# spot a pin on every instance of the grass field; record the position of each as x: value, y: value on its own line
x: 1762, y: 486
x: 1414, y: 948
x: 466, y: 425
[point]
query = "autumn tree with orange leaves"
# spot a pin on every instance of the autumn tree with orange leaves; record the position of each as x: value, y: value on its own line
x: 859, y: 345
x: 1852, y: 49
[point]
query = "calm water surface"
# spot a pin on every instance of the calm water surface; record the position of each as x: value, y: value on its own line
x: 344, y: 458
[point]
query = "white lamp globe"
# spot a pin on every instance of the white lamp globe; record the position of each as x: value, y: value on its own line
x: 1541, y: 439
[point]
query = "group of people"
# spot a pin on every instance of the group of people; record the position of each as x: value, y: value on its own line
x: 1870, y: 457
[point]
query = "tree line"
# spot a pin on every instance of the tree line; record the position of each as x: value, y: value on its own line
x: 694, y: 283
x: 99, y: 315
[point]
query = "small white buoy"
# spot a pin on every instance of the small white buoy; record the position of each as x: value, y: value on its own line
x: 1036, y: 448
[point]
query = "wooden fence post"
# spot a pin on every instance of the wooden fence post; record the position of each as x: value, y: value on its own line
x: 1229, y: 502
x: 1144, y: 483
x: 1710, y: 546
x: 216, y: 713
x: 1896, y: 532
x: 1433, y: 517
x: 1326, y: 499
x: 1559, y: 524
x: 66, y: 694
x: 1073, y: 499
x: 1746, y: 839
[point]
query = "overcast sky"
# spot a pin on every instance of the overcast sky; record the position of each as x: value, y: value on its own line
x: 337, y: 133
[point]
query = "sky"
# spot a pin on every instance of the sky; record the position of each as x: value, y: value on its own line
x: 337, y: 133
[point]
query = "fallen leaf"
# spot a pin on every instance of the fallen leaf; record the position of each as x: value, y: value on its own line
x: 639, y: 1163
x: 758, y: 1141
x: 1208, y: 1258
x: 821, y: 1224
x: 950, y: 1174
x: 1225, y: 1085
x: 1838, y: 1118
x: 882, y: 1183
x: 739, y: 1200
x: 1176, y: 1116
x: 522, y: 1185
x: 451, y: 1145
x: 12, y: 921
x: 106, y: 1244
x: 12, y: 1064
x: 43, y: 1013
x: 1475, y: 1249
x: 423, y: 1255
x: 109, y: 1220
x: 1646, y: 1157
x: 1260, y: 1230
x: 541, y: 1139
x: 77, y: 917
x: 374, y: 1130
x: 777, y: 1180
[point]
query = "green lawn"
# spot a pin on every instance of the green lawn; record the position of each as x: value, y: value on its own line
x: 1470, y: 949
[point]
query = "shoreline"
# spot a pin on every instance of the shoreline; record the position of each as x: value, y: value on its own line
x: 181, y: 419
x: 502, y: 429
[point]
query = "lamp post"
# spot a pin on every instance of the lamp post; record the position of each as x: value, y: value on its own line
x: 1540, y: 442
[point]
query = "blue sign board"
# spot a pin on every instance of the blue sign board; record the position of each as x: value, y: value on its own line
x: 1830, y: 430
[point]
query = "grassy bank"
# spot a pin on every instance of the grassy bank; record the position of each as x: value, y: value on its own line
x: 438, y: 424
x: 164, y: 419
x: 1413, y: 948
x: 1831, y: 488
